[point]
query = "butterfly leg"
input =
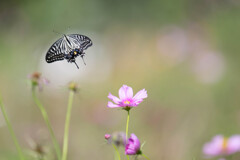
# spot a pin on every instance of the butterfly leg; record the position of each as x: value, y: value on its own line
x: 74, y: 61
x: 70, y: 59
x: 76, y: 64
x: 83, y: 59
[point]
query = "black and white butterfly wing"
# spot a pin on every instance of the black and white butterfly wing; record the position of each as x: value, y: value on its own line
x: 79, y: 41
x: 57, y: 51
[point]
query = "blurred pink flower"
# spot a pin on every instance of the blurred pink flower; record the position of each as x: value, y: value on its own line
x: 126, y: 98
x: 37, y: 80
x: 133, y: 145
x: 220, y: 145
x: 107, y: 136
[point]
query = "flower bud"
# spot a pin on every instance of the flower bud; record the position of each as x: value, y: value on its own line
x: 107, y: 136
x: 73, y: 86
x: 133, y: 145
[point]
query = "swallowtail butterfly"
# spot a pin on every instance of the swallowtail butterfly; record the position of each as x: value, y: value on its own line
x: 68, y: 47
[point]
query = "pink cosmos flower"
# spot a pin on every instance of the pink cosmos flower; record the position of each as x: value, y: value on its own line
x: 126, y: 98
x: 133, y: 145
x: 220, y: 145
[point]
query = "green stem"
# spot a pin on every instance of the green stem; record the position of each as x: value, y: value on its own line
x: 19, y: 149
x: 45, y: 117
x: 127, y: 125
x: 66, y: 129
x: 145, y: 156
x: 118, y: 154
x: 128, y: 117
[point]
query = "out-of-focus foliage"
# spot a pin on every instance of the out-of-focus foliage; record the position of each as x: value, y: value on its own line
x: 185, y: 53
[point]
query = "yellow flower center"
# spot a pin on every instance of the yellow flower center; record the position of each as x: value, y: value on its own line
x: 126, y: 102
x: 75, y: 53
x: 224, y: 144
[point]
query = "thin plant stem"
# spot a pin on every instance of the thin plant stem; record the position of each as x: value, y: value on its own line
x: 46, y: 119
x: 116, y: 150
x: 128, y: 117
x: 19, y: 149
x: 66, y: 129
x: 127, y: 125
x: 145, y: 156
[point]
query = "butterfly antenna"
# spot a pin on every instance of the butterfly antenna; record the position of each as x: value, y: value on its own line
x: 56, y: 32
x: 83, y: 60
x: 76, y: 64
x: 69, y: 27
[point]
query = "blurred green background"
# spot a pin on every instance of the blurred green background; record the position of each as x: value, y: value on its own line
x: 185, y: 53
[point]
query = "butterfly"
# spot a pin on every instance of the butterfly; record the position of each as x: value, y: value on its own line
x: 68, y: 47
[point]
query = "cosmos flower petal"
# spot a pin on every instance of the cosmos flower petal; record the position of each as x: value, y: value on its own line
x: 130, y: 151
x: 125, y: 92
x: 136, y: 141
x: 45, y: 81
x: 233, y: 144
x: 111, y: 105
x: 114, y: 98
x: 129, y: 92
x: 137, y: 102
x: 140, y: 95
x: 214, y: 147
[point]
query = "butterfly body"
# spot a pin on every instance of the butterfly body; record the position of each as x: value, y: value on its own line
x: 68, y: 47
